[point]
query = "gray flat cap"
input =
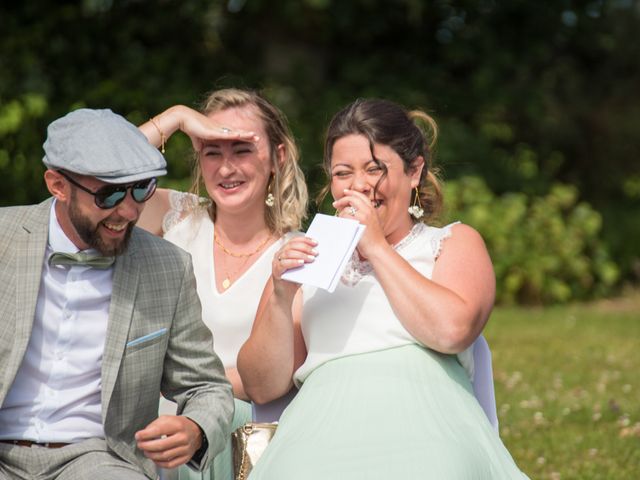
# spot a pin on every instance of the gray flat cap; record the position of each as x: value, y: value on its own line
x: 101, y: 144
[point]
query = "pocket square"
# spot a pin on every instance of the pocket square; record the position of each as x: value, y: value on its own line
x: 146, y: 338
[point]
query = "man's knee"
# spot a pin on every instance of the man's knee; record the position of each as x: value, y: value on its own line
x: 100, y: 466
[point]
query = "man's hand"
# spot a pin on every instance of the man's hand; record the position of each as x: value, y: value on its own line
x: 170, y: 440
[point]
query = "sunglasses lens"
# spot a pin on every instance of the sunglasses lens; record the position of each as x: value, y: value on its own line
x: 110, y: 197
x: 142, y: 191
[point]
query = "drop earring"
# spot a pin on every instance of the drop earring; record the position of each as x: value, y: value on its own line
x: 416, y: 210
x: 270, y: 200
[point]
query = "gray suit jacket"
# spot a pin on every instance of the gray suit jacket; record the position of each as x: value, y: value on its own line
x: 153, y: 289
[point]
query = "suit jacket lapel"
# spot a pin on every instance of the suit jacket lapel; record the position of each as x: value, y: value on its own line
x: 31, y: 244
x: 125, y: 286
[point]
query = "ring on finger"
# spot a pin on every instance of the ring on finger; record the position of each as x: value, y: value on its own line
x: 352, y: 210
x: 225, y: 129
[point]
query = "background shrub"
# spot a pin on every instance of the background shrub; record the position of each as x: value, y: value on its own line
x: 545, y: 249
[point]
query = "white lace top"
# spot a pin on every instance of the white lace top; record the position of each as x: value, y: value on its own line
x: 358, y: 317
x: 229, y: 314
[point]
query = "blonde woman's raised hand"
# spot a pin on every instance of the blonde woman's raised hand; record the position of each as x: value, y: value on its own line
x: 197, y: 126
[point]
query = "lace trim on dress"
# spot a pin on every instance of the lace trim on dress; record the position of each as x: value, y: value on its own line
x: 356, y: 269
x: 181, y: 204
x: 438, y: 238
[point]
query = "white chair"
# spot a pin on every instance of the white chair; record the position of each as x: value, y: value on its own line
x: 482, y: 380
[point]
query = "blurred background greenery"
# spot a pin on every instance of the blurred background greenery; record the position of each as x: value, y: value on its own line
x: 538, y: 104
x: 539, y: 109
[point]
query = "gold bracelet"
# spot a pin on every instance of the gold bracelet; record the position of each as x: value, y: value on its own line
x: 162, y: 136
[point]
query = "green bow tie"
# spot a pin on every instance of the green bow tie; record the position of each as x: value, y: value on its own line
x: 81, y: 258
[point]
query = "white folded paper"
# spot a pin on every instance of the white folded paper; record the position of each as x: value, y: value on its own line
x: 337, y: 239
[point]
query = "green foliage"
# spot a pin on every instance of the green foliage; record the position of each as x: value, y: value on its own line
x: 18, y: 120
x: 545, y: 249
x: 526, y: 96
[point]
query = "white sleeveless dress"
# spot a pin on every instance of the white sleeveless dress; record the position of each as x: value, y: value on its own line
x: 228, y: 314
x: 376, y: 404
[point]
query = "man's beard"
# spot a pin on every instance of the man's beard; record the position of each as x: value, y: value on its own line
x: 90, y: 234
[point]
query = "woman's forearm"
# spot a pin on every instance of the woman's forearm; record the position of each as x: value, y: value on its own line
x: 272, y: 352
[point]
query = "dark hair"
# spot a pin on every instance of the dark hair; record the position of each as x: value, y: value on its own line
x: 410, y: 134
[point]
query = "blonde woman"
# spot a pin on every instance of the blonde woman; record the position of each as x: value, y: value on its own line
x: 248, y: 195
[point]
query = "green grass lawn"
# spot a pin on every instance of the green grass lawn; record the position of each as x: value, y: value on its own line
x: 568, y: 388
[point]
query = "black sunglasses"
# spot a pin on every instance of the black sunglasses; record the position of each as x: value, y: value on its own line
x: 110, y: 196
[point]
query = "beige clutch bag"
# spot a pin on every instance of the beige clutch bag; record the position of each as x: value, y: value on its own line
x: 248, y: 442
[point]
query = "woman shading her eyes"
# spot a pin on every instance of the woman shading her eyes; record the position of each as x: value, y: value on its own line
x: 248, y: 195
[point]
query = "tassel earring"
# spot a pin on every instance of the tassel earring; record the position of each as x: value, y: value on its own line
x: 416, y: 210
x: 270, y: 201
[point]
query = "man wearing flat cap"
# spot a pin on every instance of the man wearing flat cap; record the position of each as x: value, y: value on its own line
x: 99, y: 318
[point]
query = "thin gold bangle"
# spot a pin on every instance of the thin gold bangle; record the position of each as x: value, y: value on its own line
x: 162, y: 136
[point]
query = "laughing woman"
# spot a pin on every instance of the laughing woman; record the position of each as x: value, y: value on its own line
x: 383, y: 393
x: 248, y: 194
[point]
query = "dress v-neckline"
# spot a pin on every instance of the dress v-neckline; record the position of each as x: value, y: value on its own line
x: 212, y: 261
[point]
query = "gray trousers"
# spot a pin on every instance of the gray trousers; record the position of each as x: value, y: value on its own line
x: 87, y: 460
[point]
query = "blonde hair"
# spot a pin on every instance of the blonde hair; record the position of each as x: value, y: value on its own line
x: 409, y: 134
x: 287, y: 183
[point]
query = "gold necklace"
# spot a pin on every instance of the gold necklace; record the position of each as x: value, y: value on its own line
x: 226, y: 282
x: 239, y: 255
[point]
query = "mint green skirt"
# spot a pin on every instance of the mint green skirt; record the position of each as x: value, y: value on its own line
x: 406, y: 412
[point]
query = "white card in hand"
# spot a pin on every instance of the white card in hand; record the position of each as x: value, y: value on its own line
x: 337, y: 239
